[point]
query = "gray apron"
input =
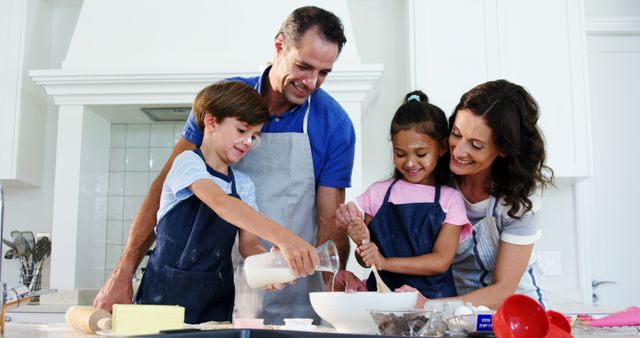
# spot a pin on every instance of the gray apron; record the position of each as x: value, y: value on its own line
x: 475, y: 260
x: 281, y: 168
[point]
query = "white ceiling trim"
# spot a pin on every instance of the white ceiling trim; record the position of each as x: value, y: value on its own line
x: 357, y: 83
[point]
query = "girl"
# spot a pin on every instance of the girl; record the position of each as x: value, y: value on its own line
x: 412, y: 222
x: 498, y: 164
x: 200, y: 208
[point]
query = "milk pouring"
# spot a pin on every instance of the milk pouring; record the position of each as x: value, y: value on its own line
x: 271, y: 267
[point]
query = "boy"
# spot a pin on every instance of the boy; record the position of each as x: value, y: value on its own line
x: 200, y: 204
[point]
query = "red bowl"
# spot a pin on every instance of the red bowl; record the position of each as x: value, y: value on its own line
x: 520, y: 316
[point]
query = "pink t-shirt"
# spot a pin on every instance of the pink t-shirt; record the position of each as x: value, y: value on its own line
x: 404, y: 192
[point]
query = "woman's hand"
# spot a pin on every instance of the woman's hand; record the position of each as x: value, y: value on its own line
x: 358, y: 231
x: 371, y: 255
x: 347, y: 212
x: 422, y: 300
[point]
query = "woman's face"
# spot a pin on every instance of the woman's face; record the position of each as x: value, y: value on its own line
x: 473, y: 149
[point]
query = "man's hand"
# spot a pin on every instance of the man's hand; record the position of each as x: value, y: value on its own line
x: 347, y: 281
x: 118, y: 289
x: 347, y: 212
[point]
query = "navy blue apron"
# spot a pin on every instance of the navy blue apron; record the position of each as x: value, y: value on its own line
x: 409, y: 230
x: 191, y: 263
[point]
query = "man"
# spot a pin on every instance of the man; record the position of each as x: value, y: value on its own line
x: 300, y: 169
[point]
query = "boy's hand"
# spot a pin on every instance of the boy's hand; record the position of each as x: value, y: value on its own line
x: 346, y: 212
x: 278, y: 286
x: 358, y: 231
x: 371, y: 255
x: 300, y: 255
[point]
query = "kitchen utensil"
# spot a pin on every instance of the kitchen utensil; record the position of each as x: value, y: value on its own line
x: 380, y: 285
x: 88, y: 319
x: 271, y: 267
x: 520, y: 316
x: 11, y: 254
x: 8, y: 243
x: 30, y: 239
x: 349, y: 312
x: 41, y: 251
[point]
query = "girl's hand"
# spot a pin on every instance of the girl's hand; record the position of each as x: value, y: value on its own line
x: 300, y: 255
x: 422, y: 300
x: 371, y: 255
x: 358, y: 231
x: 346, y: 212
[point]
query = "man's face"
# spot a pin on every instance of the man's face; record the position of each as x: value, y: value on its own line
x: 301, y: 67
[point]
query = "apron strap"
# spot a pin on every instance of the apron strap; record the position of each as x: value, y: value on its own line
x: 305, y: 122
x: 386, y: 195
x: 436, y: 199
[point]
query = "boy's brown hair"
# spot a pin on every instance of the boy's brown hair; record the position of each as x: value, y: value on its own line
x: 230, y: 99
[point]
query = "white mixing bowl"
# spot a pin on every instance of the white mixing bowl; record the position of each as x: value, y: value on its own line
x: 349, y: 312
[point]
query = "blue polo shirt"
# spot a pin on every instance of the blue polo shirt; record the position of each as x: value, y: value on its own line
x: 330, y: 131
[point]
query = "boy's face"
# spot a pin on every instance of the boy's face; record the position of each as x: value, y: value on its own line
x: 232, y: 139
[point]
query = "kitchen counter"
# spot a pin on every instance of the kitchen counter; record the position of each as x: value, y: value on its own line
x: 60, y: 330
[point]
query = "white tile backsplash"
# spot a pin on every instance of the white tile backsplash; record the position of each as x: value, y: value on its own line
x: 118, y: 135
x: 131, y: 206
x: 138, y: 135
x: 138, y: 153
x: 162, y: 135
x: 116, y: 183
x: 158, y: 157
x: 137, y: 159
x: 117, y: 159
x: 116, y: 207
x: 136, y: 183
x: 114, y: 232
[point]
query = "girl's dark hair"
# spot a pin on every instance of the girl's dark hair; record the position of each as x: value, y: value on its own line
x: 230, y: 99
x: 417, y: 113
x: 512, y: 114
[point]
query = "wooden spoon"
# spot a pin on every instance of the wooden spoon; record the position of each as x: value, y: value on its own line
x: 380, y: 285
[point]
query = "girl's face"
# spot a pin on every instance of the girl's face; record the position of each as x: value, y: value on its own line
x: 471, y: 143
x: 416, y: 155
x: 232, y: 138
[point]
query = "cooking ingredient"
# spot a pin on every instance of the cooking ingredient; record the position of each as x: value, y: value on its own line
x: 136, y: 319
x: 400, y: 323
x: 258, y: 277
x: 87, y: 318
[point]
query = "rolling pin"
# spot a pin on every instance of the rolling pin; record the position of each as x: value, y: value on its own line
x: 88, y: 319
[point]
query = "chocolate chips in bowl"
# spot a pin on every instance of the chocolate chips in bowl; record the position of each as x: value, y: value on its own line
x: 400, y: 323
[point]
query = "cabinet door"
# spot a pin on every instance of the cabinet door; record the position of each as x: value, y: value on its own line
x: 539, y: 44
x: 10, y: 14
x: 541, y: 47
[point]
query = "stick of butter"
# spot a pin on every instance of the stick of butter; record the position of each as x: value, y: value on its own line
x: 134, y: 319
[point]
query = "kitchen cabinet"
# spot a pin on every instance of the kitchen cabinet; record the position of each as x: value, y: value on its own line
x: 25, y: 37
x: 539, y: 44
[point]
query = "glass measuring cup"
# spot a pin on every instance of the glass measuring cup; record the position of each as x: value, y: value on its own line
x: 271, y: 267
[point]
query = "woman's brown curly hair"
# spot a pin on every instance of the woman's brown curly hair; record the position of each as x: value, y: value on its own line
x: 512, y: 114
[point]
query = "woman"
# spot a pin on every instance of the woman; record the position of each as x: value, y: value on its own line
x: 498, y: 164
x: 497, y: 159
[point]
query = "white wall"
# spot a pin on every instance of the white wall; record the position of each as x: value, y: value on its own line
x: 32, y: 208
